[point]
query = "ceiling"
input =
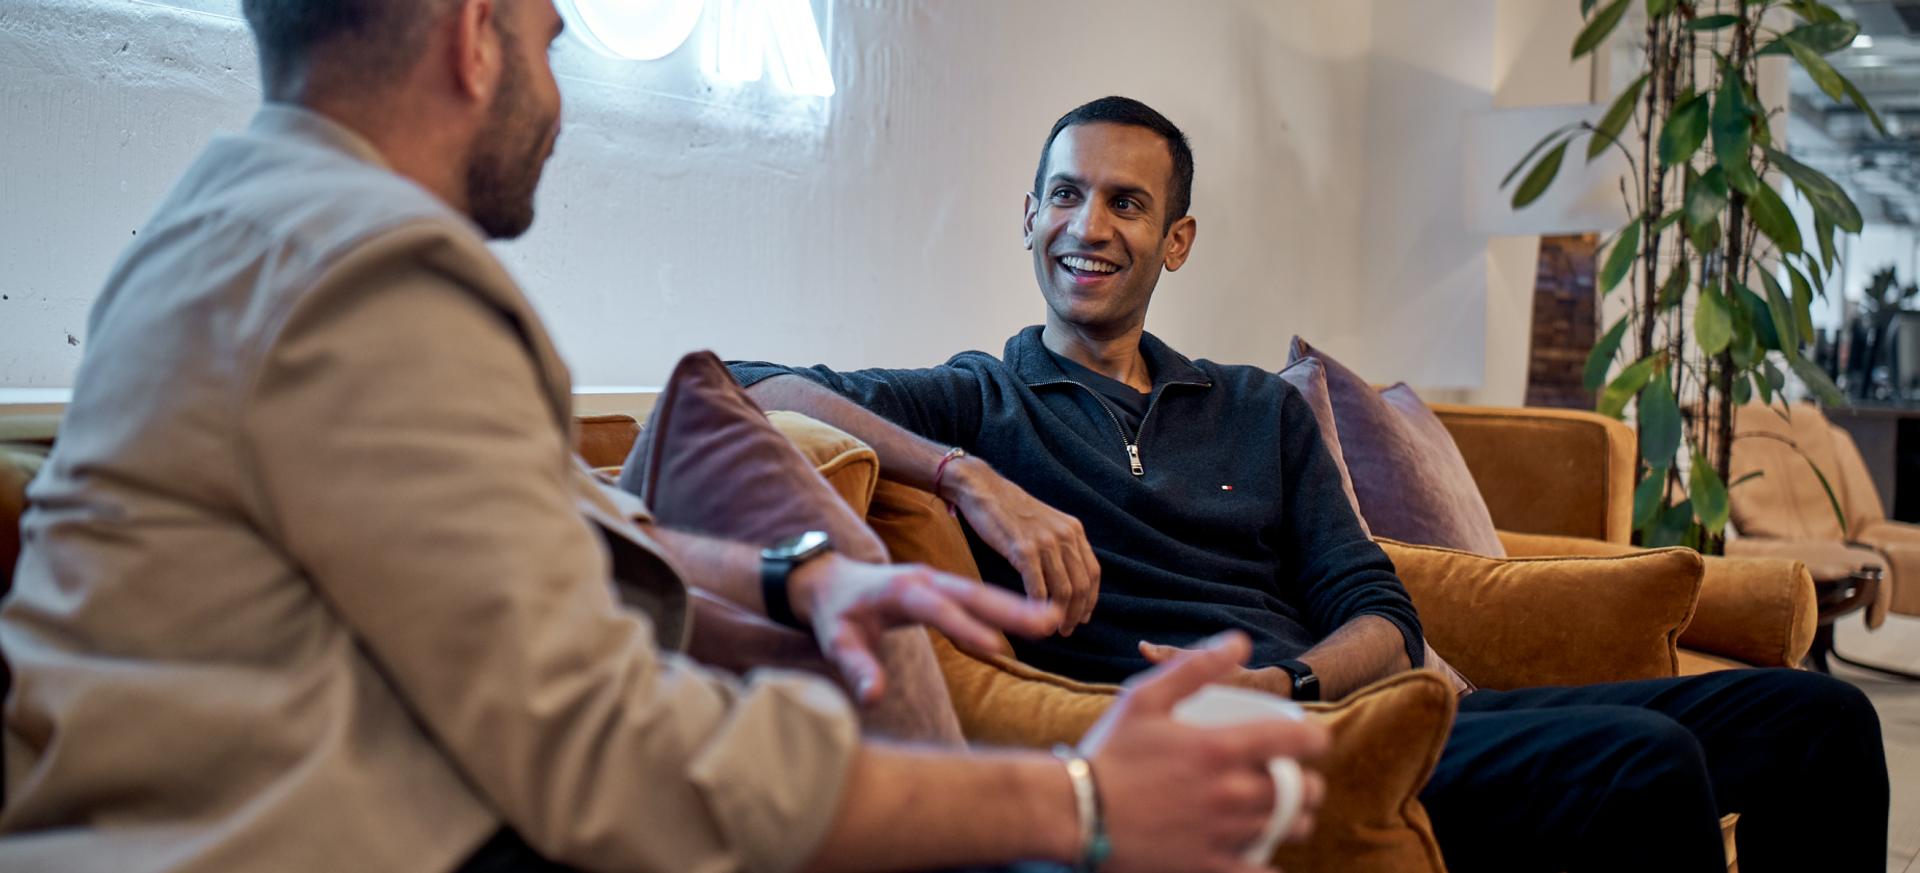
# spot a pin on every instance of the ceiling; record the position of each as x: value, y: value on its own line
x: 1883, y: 173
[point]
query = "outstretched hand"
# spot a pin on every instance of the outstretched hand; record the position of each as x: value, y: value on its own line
x: 851, y: 604
x: 1267, y: 679
x: 1048, y: 547
x: 1182, y: 797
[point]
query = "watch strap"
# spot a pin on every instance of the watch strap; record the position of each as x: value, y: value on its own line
x: 1306, y: 684
x: 773, y: 589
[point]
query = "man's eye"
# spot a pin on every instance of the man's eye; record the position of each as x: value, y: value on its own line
x: 1125, y: 203
x: 1063, y: 193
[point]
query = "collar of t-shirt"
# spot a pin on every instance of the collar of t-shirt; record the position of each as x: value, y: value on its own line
x: 1128, y: 405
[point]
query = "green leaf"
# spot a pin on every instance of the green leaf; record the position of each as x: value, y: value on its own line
x: 1667, y: 221
x: 1671, y: 529
x: 1659, y: 414
x: 1816, y: 66
x: 1827, y: 197
x: 1742, y: 389
x: 1586, y: 6
x: 1620, y: 258
x: 1731, y: 123
x: 1542, y: 175
x: 1712, y: 22
x: 1674, y: 288
x: 1823, y: 234
x: 1648, y: 497
x: 1601, y: 358
x: 1659, y: 8
x: 1709, y: 495
x: 1760, y: 317
x: 1537, y: 147
x: 1747, y: 478
x: 1685, y: 130
x: 1775, y: 380
x: 1598, y: 28
x: 1771, y: 215
x: 1616, y: 118
x: 1613, y: 401
x: 1816, y: 379
x: 1802, y: 302
x: 1712, y: 323
x: 1860, y: 100
x: 1706, y: 197
x: 1826, y: 37
x: 1782, y: 311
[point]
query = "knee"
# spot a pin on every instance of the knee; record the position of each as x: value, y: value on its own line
x: 1822, y: 700
x: 1653, y: 751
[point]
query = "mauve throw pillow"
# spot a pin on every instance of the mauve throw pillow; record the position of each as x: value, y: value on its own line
x: 1411, y: 482
x: 709, y: 462
x: 1309, y: 377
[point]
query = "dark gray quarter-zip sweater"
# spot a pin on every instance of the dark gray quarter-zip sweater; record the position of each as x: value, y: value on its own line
x: 1226, y: 511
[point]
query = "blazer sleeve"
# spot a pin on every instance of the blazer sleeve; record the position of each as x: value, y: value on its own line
x: 406, y: 459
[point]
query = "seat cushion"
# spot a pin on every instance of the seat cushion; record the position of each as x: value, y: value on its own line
x: 1526, y: 622
x: 1410, y: 479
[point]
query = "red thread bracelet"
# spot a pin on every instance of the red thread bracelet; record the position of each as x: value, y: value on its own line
x: 940, y: 473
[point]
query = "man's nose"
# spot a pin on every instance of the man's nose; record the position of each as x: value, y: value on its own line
x: 1091, y: 223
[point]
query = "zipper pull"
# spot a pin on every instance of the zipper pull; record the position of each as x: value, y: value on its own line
x: 1133, y: 457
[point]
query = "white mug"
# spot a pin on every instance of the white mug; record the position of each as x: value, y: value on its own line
x: 1222, y: 706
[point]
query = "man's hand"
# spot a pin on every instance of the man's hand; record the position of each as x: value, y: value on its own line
x: 850, y: 604
x: 1047, y: 546
x: 1271, y: 680
x: 1182, y: 797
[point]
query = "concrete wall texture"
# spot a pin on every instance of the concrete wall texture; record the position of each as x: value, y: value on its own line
x: 884, y: 231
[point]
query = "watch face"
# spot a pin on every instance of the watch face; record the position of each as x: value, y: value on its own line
x: 798, y: 546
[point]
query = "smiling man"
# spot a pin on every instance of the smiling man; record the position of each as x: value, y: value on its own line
x: 1130, y: 449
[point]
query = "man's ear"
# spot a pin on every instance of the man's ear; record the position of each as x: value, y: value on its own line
x: 1026, y: 224
x: 477, y: 47
x: 1180, y: 242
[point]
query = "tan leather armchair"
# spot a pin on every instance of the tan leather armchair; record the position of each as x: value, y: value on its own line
x: 1560, y: 482
x: 1787, y: 511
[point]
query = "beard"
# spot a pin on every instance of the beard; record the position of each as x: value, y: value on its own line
x: 503, y: 167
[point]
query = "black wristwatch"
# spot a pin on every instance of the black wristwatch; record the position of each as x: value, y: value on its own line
x: 777, y: 562
x: 1306, y: 686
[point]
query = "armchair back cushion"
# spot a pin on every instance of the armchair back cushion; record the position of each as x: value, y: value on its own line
x: 1524, y: 622
x: 1788, y: 502
x: 1560, y: 472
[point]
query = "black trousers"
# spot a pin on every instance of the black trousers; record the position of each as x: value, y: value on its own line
x: 1635, y: 776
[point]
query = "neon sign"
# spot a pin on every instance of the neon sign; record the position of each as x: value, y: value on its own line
x: 746, y: 38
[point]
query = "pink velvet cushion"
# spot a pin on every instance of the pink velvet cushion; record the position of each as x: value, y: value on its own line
x: 1409, y: 478
x: 708, y: 462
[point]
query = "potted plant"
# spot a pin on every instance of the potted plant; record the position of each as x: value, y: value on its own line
x: 1721, y: 276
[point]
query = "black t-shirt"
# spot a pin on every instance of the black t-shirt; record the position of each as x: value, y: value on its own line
x: 1126, y: 404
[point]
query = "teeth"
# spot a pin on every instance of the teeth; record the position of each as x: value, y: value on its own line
x: 1089, y: 266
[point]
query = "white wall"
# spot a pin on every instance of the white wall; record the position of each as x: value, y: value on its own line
x: 888, y: 236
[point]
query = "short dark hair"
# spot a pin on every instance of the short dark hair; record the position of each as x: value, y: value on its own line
x: 1132, y: 113
x: 387, y: 34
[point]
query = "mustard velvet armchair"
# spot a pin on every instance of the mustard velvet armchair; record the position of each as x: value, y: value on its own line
x: 1560, y: 482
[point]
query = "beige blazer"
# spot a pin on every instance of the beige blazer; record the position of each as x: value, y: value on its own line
x: 312, y: 581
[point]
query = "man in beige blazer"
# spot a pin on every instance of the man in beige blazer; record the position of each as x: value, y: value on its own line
x: 312, y: 582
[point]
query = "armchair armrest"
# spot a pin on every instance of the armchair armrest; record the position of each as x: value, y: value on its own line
x: 1756, y: 610
x: 1524, y: 622
x: 1548, y: 471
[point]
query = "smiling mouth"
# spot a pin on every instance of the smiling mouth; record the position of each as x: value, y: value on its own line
x: 1087, y: 268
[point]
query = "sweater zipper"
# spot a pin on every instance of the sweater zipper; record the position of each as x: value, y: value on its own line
x: 1133, y: 447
